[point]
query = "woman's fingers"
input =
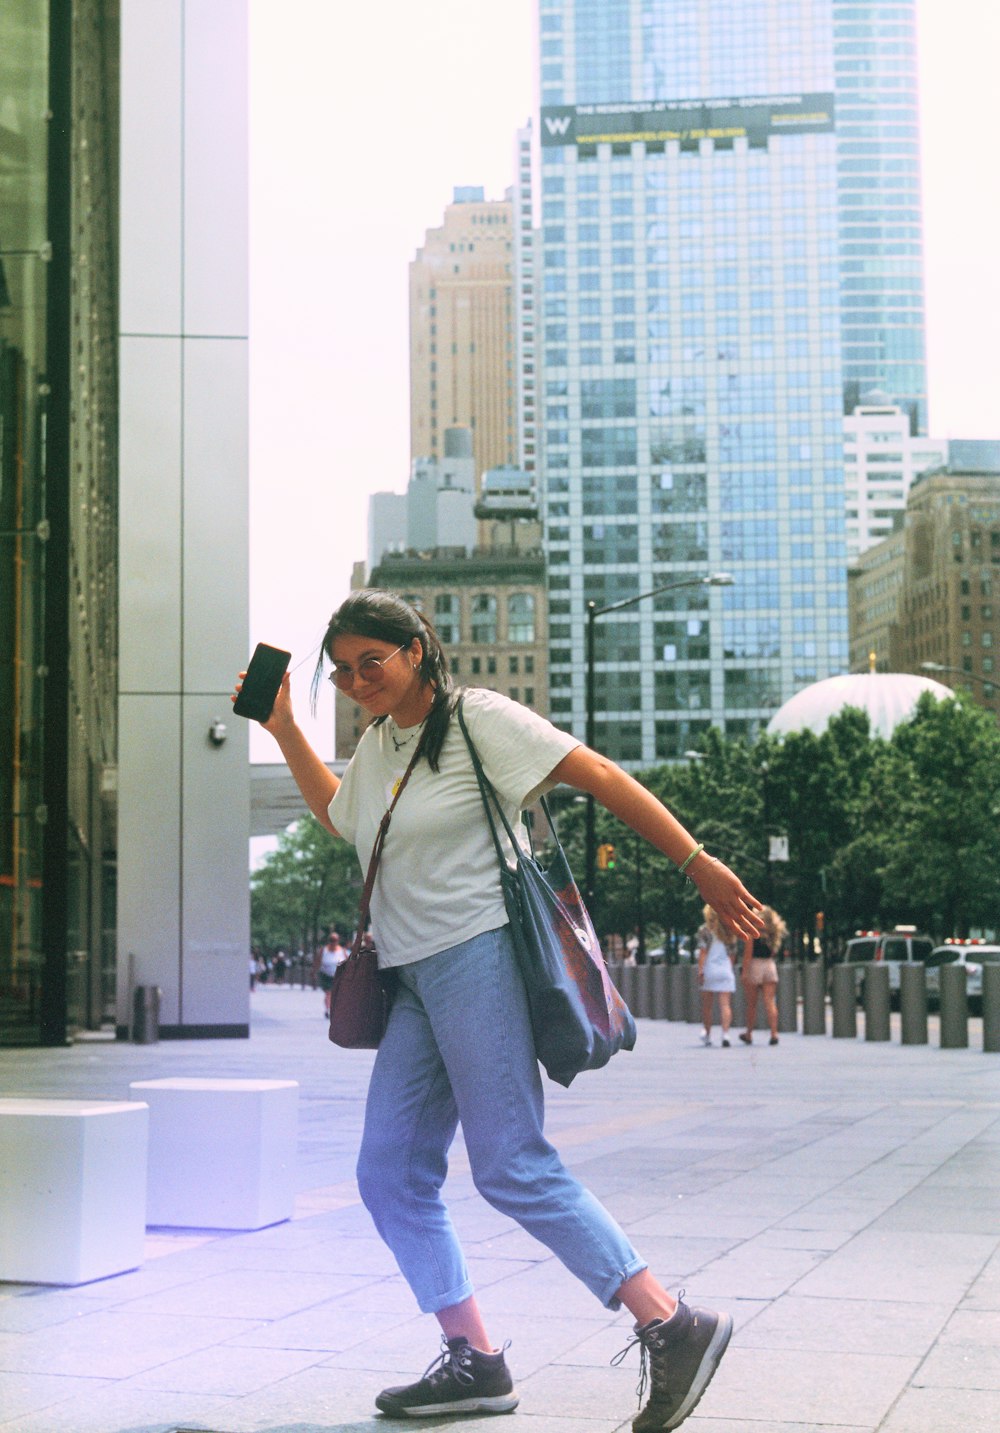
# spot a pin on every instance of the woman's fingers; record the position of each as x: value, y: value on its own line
x: 281, y: 712
x: 726, y: 894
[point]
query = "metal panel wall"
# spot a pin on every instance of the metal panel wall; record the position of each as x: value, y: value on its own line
x: 183, y: 799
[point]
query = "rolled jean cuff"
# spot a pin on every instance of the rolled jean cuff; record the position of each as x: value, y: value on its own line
x: 609, y: 1299
x: 437, y: 1302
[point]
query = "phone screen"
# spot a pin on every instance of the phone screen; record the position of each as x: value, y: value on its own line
x: 261, y: 683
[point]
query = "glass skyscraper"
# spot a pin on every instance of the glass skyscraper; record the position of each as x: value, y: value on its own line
x: 878, y: 185
x: 692, y: 379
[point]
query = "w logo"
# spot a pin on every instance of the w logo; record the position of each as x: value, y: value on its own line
x: 557, y: 125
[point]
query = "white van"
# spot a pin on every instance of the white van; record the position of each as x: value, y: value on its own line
x: 903, y: 945
x: 900, y: 946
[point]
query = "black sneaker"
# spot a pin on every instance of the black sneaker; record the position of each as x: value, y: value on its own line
x: 462, y: 1379
x: 683, y: 1354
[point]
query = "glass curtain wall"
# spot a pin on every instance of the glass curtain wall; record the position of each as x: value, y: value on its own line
x: 24, y: 525
x: 58, y: 513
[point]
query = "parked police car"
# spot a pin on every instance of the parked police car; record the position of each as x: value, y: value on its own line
x: 903, y: 945
x: 973, y: 955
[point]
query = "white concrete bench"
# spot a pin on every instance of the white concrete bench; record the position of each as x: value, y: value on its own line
x: 72, y: 1189
x: 222, y: 1153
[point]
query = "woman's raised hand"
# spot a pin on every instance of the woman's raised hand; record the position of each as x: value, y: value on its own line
x: 282, y: 716
x: 723, y: 890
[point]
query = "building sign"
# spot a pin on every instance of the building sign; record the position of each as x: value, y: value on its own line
x: 722, y: 121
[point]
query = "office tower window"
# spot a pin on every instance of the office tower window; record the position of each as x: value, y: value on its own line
x: 484, y: 618
x: 520, y: 618
x: 447, y: 618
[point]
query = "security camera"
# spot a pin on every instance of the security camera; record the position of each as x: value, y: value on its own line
x: 217, y: 732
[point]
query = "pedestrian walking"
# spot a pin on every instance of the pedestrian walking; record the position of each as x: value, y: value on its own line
x: 760, y: 973
x: 331, y: 955
x: 459, y: 1046
x: 716, y: 975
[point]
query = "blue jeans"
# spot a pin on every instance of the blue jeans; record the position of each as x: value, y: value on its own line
x: 459, y: 1047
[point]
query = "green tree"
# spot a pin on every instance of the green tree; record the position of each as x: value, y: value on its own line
x: 942, y: 866
x: 715, y: 795
x: 308, y: 884
x: 818, y: 791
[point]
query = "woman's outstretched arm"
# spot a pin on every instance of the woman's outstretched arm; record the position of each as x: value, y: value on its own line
x: 312, y: 775
x: 625, y: 798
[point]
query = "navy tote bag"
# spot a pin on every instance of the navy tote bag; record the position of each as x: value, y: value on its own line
x: 578, y: 1018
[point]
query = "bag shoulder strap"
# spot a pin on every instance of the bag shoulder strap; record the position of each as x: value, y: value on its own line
x: 366, y: 894
x: 491, y: 800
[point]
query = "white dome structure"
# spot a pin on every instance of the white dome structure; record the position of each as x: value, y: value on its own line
x: 888, y: 697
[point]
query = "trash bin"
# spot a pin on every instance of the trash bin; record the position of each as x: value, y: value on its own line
x: 146, y: 1014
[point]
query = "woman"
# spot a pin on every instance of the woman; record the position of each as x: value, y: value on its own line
x: 760, y: 972
x: 715, y: 975
x: 332, y: 955
x: 458, y: 1045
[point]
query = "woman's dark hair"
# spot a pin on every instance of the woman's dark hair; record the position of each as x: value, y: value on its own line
x: 390, y: 618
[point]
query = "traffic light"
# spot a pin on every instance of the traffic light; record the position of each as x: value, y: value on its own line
x: 606, y: 857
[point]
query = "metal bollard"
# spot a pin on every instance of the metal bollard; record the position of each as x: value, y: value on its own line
x: 991, y: 1008
x: 788, y: 1005
x: 660, y: 983
x: 692, y: 1000
x: 628, y: 986
x: 876, y: 999
x: 677, y: 993
x: 912, y: 1004
x: 844, y: 999
x: 813, y: 1000
x: 643, y: 992
x: 146, y: 1014
x: 954, y: 1008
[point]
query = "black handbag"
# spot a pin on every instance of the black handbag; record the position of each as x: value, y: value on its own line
x: 361, y: 994
x: 578, y: 1018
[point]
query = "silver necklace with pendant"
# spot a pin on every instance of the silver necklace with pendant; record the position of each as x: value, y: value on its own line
x: 406, y: 740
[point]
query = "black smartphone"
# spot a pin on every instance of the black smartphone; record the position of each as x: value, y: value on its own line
x: 261, y: 683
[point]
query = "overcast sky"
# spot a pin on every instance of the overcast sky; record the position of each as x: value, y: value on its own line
x: 363, y: 119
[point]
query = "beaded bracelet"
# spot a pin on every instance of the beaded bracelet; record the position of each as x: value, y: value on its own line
x: 696, y: 852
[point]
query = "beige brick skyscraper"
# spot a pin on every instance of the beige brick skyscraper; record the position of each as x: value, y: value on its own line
x: 462, y: 332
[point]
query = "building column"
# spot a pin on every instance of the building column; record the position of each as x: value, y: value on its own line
x: 183, y: 897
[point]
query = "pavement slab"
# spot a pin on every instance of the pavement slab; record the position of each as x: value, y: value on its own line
x: 32, y: 1393
x: 853, y: 1234
x: 967, y: 1354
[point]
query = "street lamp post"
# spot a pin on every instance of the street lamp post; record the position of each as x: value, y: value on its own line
x: 714, y: 579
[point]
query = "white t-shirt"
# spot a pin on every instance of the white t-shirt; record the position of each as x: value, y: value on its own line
x: 438, y: 881
x: 331, y: 957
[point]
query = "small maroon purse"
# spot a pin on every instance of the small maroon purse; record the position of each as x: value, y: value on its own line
x: 361, y: 994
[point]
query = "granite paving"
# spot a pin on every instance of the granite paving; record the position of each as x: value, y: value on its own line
x: 841, y: 1198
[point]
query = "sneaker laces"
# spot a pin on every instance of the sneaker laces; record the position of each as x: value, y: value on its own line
x: 648, y: 1357
x: 451, y: 1365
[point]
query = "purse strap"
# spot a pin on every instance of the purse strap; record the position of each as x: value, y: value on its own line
x: 491, y: 801
x: 369, y: 886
